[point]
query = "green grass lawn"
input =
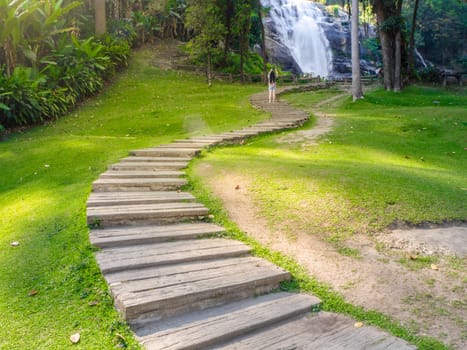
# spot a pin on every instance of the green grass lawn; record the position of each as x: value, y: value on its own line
x: 50, y: 285
x: 390, y: 158
x: 398, y: 160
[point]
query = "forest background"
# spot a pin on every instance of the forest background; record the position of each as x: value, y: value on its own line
x: 55, y: 53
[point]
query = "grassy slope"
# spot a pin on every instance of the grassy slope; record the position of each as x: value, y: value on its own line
x: 46, y: 174
x: 391, y: 157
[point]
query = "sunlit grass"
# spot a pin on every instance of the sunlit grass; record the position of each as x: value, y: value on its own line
x: 50, y: 285
x: 381, y: 164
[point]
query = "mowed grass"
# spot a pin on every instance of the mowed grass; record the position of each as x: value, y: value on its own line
x: 391, y: 158
x: 50, y: 284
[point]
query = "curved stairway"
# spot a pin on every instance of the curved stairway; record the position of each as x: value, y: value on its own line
x: 180, y: 287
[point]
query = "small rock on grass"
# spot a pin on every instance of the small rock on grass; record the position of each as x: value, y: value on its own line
x: 75, y: 338
x: 14, y: 244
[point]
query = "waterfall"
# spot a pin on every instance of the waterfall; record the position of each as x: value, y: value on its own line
x: 298, y: 26
x: 420, y: 57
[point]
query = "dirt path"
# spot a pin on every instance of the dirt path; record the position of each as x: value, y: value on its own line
x: 430, y: 301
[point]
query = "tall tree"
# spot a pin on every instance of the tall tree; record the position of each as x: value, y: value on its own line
x: 357, y: 91
x: 257, y: 5
x: 99, y: 12
x: 390, y: 23
x: 205, y: 19
x: 411, y: 51
x: 244, y: 25
x: 229, y: 13
x: 398, y: 49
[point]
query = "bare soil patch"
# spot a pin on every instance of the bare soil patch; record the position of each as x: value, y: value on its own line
x: 429, y: 301
x: 391, y: 276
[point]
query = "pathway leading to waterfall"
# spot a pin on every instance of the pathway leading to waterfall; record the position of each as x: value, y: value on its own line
x: 180, y: 286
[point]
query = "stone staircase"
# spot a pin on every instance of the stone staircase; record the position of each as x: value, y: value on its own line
x: 178, y: 284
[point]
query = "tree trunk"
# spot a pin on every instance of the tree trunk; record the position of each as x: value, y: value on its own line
x: 263, y: 43
x: 10, y: 56
x: 242, y: 63
x: 388, y: 65
x: 357, y: 91
x: 411, y: 54
x: 398, y: 63
x: 209, y: 68
x: 229, y: 14
x: 387, y: 47
x: 116, y: 9
x: 398, y: 50
x: 99, y: 12
x: 365, y: 20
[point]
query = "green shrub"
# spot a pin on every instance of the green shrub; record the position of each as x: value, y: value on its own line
x: 117, y: 50
x: 147, y: 26
x: 252, y: 65
x: 25, y: 99
x: 123, y: 29
x: 73, y: 71
x: 79, y: 67
x: 20, y: 98
x: 430, y: 75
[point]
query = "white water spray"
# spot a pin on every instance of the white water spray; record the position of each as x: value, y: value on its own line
x: 420, y: 57
x: 297, y: 23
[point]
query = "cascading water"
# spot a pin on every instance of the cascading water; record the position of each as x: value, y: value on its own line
x: 297, y: 24
x: 420, y: 57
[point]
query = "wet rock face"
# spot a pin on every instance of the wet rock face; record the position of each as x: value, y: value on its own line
x: 338, y: 37
x: 278, y: 53
x: 342, y: 66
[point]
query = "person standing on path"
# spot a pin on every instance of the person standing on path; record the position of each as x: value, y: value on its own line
x: 272, y: 78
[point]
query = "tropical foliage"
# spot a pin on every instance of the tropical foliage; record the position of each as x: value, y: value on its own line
x: 224, y: 32
x: 45, y: 68
x: 440, y: 31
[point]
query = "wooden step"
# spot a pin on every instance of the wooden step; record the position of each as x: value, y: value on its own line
x: 148, y: 166
x: 126, y: 236
x: 119, y: 174
x: 99, y: 199
x: 206, y: 138
x: 144, y: 214
x: 276, y: 124
x: 137, y: 184
x: 167, y: 253
x: 319, y: 331
x: 204, y: 141
x: 241, y: 133
x: 186, y: 145
x: 210, y: 327
x: 166, y: 152
x: 290, y: 117
x: 264, y: 129
x: 174, y: 293
x: 236, y: 136
x: 140, y: 159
